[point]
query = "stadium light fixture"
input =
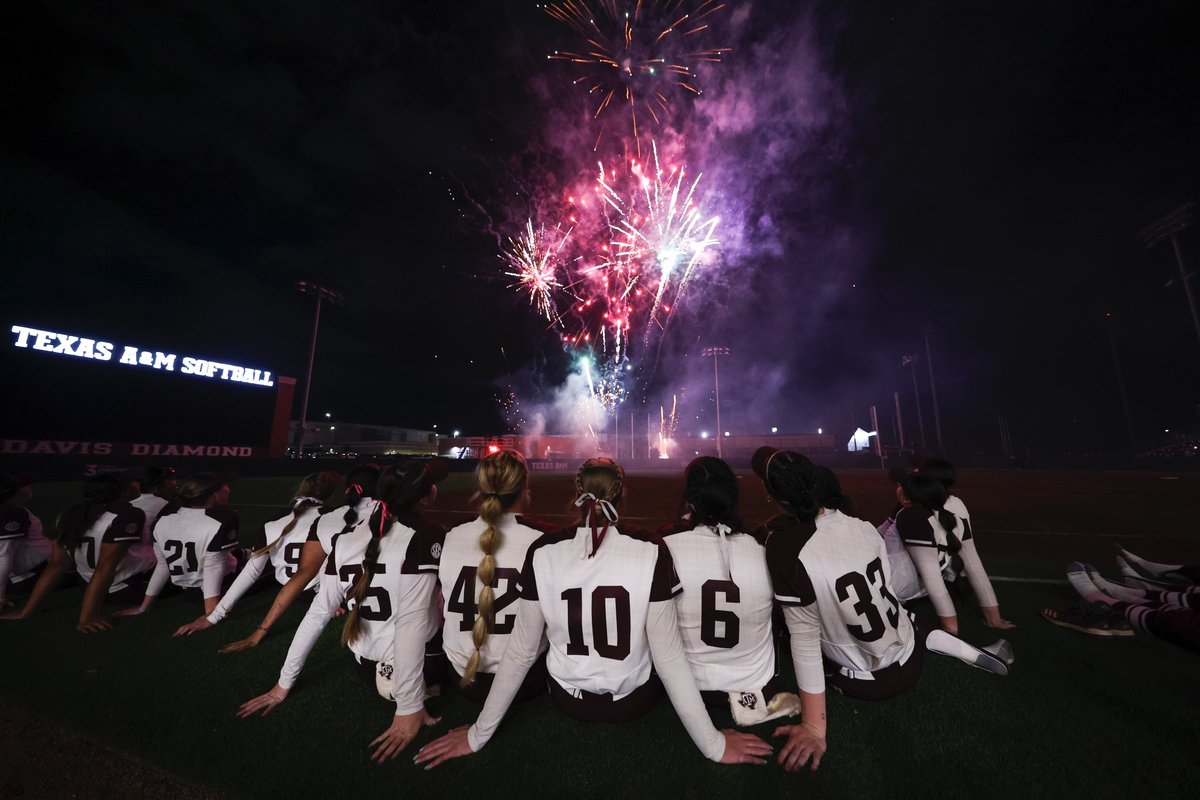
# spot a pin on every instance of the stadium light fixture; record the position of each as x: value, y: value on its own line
x: 1169, y: 227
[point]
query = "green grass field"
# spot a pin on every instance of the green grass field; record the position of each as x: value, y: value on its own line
x: 1078, y: 716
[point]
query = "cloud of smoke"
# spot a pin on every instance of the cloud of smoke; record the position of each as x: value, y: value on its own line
x: 770, y: 136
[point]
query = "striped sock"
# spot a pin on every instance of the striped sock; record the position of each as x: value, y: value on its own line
x: 1138, y: 617
x: 1077, y: 576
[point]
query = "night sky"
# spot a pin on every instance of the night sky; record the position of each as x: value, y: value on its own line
x: 169, y: 171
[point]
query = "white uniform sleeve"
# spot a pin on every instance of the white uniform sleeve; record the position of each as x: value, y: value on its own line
x: 329, y: 597
x: 412, y: 632
x: 519, y: 654
x: 249, y: 574
x: 8, y: 554
x: 925, y: 559
x: 666, y: 648
x: 804, y: 627
x: 977, y: 575
x: 158, y: 580
x: 213, y: 573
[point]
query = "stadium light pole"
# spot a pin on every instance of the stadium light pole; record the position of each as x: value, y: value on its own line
x: 321, y: 293
x: 1169, y: 227
x: 715, y: 352
x: 911, y: 363
x: 937, y: 417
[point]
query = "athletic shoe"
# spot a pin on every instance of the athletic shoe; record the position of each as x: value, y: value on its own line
x: 1002, y: 650
x: 1094, y: 619
x: 988, y: 662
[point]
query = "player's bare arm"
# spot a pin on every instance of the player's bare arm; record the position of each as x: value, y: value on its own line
x: 90, y: 620
x: 311, y: 559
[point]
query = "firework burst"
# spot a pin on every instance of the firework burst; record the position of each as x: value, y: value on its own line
x: 533, y: 259
x: 636, y: 238
x: 637, y: 53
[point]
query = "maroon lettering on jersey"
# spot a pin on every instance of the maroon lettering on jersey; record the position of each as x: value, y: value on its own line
x: 786, y: 537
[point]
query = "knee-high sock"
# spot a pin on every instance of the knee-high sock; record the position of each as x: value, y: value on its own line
x: 1179, y: 626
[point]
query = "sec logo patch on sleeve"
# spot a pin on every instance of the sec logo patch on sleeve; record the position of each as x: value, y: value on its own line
x: 132, y: 527
x: 12, y: 527
x: 436, y: 550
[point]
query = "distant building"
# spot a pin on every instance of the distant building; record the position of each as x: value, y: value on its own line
x: 351, y: 439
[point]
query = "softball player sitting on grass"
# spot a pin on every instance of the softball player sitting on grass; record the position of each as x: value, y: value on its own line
x: 285, y: 538
x: 604, y: 599
x: 925, y: 541
x: 23, y: 548
x: 100, y: 538
x: 830, y: 573
x: 194, y: 543
x: 726, y: 605
x: 363, y: 571
x: 479, y: 567
x: 361, y: 484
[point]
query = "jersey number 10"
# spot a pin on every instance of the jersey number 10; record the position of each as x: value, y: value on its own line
x: 576, y: 646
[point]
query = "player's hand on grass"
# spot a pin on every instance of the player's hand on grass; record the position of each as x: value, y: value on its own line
x: 96, y: 625
x: 804, y: 742
x: 400, y: 733
x: 452, y: 745
x: 744, y: 748
x: 992, y: 618
x: 22, y: 614
x: 129, y: 612
x: 264, y: 702
x: 253, y: 640
x: 199, y: 624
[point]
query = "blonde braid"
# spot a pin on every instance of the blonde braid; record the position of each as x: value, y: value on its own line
x: 501, y: 478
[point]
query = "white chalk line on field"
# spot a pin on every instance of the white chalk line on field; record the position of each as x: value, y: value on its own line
x: 1014, y: 579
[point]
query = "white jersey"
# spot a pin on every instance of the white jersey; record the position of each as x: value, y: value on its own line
x: 120, y: 523
x: 596, y: 606
x: 917, y: 526
x: 285, y: 556
x: 407, y: 535
x: 184, y: 538
x: 20, y: 526
x: 457, y: 566
x: 152, y: 506
x: 838, y: 566
x: 329, y: 525
x: 725, y: 608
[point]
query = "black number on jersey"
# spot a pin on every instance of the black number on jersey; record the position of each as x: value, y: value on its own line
x: 710, y: 615
x: 350, y: 574
x: 89, y: 551
x: 291, y: 558
x: 173, y: 549
x: 865, y: 601
x: 576, y: 646
x: 462, y: 599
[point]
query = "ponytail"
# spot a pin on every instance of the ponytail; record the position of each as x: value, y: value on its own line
x: 99, y: 492
x: 501, y: 478
x: 950, y: 522
x: 381, y: 519
x: 792, y: 479
x: 362, y: 481
x: 313, y: 492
